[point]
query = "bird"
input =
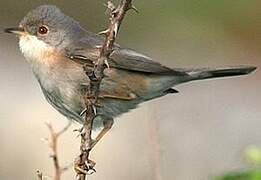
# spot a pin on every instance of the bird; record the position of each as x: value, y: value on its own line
x: 57, y: 47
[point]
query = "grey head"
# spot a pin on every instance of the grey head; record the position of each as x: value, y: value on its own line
x: 50, y: 25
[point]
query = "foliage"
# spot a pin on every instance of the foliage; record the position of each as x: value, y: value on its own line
x: 253, y: 156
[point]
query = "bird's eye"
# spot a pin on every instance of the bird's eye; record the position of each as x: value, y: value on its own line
x: 42, y: 30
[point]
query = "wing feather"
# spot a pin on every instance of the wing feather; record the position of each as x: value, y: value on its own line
x: 87, y: 51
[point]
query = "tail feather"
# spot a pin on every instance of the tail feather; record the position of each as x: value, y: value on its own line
x: 207, y: 73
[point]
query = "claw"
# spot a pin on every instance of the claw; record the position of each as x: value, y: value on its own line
x: 87, y: 168
x: 91, y: 171
x: 90, y: 165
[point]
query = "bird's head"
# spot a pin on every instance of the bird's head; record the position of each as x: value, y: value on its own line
x: 45, y: 29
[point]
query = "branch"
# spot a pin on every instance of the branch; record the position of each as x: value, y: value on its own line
x: 82, y: 163
x: 39, y: 175
x: 53, y: 141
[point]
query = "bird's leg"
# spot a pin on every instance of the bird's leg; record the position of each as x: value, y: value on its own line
x: 107, y: 125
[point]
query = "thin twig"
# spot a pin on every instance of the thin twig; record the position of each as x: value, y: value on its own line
x: 82, y: 163
x: 39, y: 175
x: 53, y: 141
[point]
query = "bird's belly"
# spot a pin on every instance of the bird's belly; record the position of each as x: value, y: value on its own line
x: 65, y: 95
x: 61, y: 88
x: 67, y: 99
x: 69, y: 102
x: 124, y: 90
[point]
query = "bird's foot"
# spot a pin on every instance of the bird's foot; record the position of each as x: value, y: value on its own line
x: 90, y: 165
x: 87, y: 168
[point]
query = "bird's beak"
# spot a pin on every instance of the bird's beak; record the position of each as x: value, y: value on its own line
x: 17, y: 30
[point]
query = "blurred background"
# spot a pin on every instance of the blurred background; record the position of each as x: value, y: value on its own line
x: 194, y: 135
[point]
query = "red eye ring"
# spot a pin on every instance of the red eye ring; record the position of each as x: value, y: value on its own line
x: 42, y: 30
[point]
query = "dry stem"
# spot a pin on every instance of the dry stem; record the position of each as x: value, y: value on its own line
x: 53, y: 141
x: 39, y: 175
x: 82, y: 163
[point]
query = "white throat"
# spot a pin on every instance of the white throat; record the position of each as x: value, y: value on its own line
x: 40, y: 57
x: 33, y: 49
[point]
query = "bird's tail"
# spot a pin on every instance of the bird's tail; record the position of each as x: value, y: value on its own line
x: 208, y: 73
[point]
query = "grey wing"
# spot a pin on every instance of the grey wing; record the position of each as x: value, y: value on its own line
x: 131, y: 60
x: 87, y: 52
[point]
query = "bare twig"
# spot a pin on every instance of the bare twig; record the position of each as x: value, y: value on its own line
x: 82, y: 163
x: 53, y: 141
x: 39, y: 175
